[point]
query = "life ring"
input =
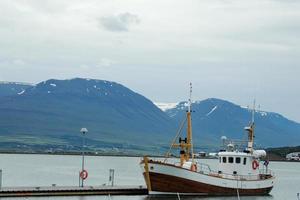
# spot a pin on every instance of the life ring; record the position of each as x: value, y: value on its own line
x: 255, y: 164
x: 83, y: 174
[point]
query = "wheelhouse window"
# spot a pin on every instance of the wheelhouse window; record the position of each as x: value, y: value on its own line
x: 230, y: 159
x: 245, y: 161
x: 224, y: 159
x: 237, y: 160
x: 220, y: 160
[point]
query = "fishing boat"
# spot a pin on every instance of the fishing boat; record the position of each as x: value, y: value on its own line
x: 239, y: 172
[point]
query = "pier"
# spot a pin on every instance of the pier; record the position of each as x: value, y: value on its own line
x: 72, y: 191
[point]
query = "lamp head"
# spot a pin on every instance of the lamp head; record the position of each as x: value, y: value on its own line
x: 83, y: 130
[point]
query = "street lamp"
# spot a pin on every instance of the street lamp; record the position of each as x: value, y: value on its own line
x: 83, y: 173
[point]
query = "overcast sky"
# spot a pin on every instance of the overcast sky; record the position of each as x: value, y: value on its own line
x: 237, y: 50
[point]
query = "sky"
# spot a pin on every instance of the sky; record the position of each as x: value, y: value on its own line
x: 236, y: 50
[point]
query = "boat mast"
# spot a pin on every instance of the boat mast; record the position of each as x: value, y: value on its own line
x: 250, y: 130
x: 185, y: 145
x: 189, y: 126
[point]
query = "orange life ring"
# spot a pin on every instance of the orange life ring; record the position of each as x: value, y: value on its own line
x: 255, y: 164
x: 83, y: 174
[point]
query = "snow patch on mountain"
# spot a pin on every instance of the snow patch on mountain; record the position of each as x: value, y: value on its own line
x: 212, y: 110
x: 165, y: 106
x: 22, y: 92
x: 262, y: 113
x: 245, y: 107
x: 16, y: 83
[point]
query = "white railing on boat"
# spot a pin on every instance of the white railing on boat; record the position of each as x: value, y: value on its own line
x: 203, y: 168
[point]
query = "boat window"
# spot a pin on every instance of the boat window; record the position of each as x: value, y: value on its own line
x: 220, y: 159
x: 230, y: 159
x: 224, y: 159
x: 237, y: 160
x: 245, y: 159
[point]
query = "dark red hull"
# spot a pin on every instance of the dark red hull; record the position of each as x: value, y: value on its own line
x: 172, y: 184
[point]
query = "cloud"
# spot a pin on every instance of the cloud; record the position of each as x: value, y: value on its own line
x: 101, y: 64
x: 13, y: 62
x: 84, y: 67
x: 105, y: 62
x: 19, y: 62
x: 120, y: 22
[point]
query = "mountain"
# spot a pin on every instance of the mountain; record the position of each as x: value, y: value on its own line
x: 12, y: 88
x: 52, y: 113
x: 213, y: 118
x: 49, y: 115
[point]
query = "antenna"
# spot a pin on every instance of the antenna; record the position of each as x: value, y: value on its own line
x: 190, y: 99
x: 253, y: 111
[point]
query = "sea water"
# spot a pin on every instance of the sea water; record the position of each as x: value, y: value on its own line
x: 63, y: 170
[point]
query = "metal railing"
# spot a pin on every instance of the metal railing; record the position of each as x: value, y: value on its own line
x: 205, y: 169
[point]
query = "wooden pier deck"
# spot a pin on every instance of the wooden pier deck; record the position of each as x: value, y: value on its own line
x: 72, y: 191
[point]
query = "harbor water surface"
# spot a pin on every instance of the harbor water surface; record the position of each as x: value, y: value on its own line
x: 46, y: 170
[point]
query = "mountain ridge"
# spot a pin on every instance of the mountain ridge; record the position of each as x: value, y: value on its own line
x: 53, y: 111
x: 232, y: 118
x: 57, y: 109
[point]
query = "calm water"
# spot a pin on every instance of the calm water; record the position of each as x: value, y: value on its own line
x: 45, y: 170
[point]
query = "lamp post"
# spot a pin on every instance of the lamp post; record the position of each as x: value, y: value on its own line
x: 83, y: 172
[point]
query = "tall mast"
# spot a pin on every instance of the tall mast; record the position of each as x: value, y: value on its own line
x: 185, y: 145
x: 190, y: 98
x: 189, y: 126
x: 250, y: 130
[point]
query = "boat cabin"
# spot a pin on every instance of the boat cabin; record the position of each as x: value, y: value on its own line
x: 238, y: 163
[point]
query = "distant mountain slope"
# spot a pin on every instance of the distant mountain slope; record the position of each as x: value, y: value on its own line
x: 213, y: 118
x: 52, y: 112
x: 12, y: 88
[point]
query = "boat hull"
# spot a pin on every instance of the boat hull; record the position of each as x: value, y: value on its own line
x: 166, y: 184
x: 168, y: 179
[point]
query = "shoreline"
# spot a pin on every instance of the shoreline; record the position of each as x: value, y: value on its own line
x: 79, y: 154
x: 112, y: 154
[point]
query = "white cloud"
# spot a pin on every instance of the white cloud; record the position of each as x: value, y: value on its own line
x: 84, y: 67
x: 18, y: 62
x: 120, y: 22
x: 105, y: 62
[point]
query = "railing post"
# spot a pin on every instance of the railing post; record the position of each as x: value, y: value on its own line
x: 0, y: 179
x: 79, y: 179
x: 111, y: 176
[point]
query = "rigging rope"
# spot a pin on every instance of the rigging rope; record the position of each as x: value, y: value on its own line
x: 175, y: 138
